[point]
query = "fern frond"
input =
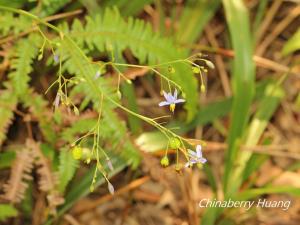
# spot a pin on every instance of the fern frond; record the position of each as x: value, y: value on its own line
x: 110, y: 29
x: 8, y: 103
x: 25, y: 51
x: 67, y: 168
x: 7, y: 211
x: 48, y: 180
x: 79, y: 127
x: 112, y: 129
x: 37, y: 105
x: 20, y: 173
x: 50, y: 7
x: 13, y: 24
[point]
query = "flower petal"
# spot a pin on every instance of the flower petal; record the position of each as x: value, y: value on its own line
x: 192, y: 153
x: 202, y: 160
x: 175, y: 94
x: 193, y: 161
x: 166, y: 95
x: 199, y: 151
x: 163, y: 103
x: 179, y: 101
x: 170, y: 98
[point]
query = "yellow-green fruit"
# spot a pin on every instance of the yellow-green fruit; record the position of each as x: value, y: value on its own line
x: 164, y: 161
x: 199, y: 165
x: 174, y: 143
x: 77, y: 152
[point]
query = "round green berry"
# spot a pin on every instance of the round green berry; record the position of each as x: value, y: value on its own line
x: 77, y: 152
x: 164, y: 161
x: 174, y: 143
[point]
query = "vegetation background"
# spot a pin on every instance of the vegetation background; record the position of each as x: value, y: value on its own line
x: 80, y: 75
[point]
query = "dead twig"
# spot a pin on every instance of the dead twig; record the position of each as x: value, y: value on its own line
x: 278, y: 30
x: 259, y: 61
x: 219, y: 61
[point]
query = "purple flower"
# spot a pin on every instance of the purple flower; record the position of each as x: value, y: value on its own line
x: 56, y: 58
x: 171, y: 100
x: 195, y: 157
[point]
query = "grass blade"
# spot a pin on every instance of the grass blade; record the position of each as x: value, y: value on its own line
x: 195, y: 16
x: 243, y: 78
x: 293, y: 44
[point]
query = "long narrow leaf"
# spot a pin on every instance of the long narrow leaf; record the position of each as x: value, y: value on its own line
x: 243, y: 78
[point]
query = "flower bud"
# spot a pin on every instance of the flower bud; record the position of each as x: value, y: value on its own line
x: 110, y: 188
x: 202, y: 88
x: 164, y: 161
x: 196, y: 69
x: 77, y: 152
x: 209, y: 64
x: 174, y: 143
x: 171, y: 69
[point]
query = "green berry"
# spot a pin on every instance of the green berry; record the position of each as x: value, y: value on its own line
x: 174, y: 143
x: 202, y: 88
x: 164, y: 161
x: 77, y: 152
x: 171, y: 69
x: 196, y: 69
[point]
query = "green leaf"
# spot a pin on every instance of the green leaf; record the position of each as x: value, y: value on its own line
x: 6, y: 159
x: 292, y: 44
x: 110, y: 29
x: 81, y: 188
x: 24, y: 53
x: 243, y: 79
x: 7, y: 211
x: 267, y: 107
x: 115, y: 130
x: 252, y: 193
x: 37, y: 104
x: 127, y: 8
x: 129, y: 95
x: 8, y: 103
x: 66, y: 169
x: 195, y: 16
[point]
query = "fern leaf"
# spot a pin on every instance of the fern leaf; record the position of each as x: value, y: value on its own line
x: 48, y: 181
x: 113, y: 129
x: 50, y: 7
x: 37, y: 104
x: 25, y: 52
x: 110, y: 29
x: 7, y: 211
x: 67, y: 169
x: 13, y: 24
x: 20, y: 173
x: 8, y: 103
